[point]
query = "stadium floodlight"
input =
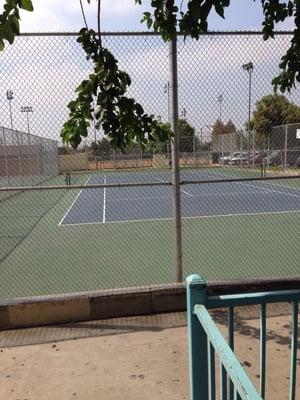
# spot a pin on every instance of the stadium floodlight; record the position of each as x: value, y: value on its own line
x: 10, y: 96
x: 183, y: 113
x: 27, y: 110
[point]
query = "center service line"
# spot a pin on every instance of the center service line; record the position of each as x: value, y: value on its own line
x: 104, y: 201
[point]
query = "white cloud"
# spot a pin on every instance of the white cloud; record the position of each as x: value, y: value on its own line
x: 55, y: 15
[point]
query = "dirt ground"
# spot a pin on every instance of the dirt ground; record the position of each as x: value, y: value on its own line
x: 130, y: 358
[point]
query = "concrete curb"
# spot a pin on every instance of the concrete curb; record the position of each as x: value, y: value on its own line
x: 54, y: 309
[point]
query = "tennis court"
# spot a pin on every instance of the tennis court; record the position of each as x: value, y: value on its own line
x: 73, y: 240
x: 125, y: 204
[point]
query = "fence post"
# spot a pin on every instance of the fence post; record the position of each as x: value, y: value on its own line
x: 241, y: 144
x: 30, y: 160
x: 253, y: 147
x: 198, y: 352
x: 6, y: 158
x: 285, y: 146
x: 19, y: 158
x: 194, y: 150
x: 39, y: 157
x: 175, y: 157
x: 268, y: 152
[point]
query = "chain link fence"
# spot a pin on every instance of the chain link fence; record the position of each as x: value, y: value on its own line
x: 25, y: 159
x: 103, y: 219
x: 277, y: 150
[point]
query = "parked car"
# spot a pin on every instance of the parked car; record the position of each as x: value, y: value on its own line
x: 242, y: 158
x: 225, y: 159
x: 278, y: 157
x: 259, y: 157
x: 292, y: 156
x: 274, y: 158
x: 234, y: 157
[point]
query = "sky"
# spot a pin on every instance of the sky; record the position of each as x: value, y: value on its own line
x: 52, y: 67
x: 125, y: 15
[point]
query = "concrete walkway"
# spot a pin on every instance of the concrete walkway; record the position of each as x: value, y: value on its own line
x: 126, y: 358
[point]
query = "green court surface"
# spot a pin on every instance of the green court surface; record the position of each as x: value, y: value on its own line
x: 40, y: 257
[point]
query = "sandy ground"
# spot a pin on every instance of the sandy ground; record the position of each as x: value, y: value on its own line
x: 134, y: 358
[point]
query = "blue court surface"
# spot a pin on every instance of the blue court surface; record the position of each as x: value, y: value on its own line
x: 112, y: 205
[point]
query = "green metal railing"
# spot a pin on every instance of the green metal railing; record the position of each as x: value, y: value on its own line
x: 206, y: 341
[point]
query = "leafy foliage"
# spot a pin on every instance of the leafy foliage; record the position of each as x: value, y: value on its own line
x: 9, y: 20
x: 122, y: 119
x: 273, y: 110
x: 186, y: 135
x: 219, y: 128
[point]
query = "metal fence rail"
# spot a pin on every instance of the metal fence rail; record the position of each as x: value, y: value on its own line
x: 205, y: 340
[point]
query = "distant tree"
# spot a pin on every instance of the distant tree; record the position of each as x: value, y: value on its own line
x: 101, y: 147
x: 270, y: 111
x: 220, y: 128
x: 221, y: 142
x: 230, y: 127
x: 186, y: 139
x: 186, y: 136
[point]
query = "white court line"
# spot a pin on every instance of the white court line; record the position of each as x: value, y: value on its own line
x: 104, y: 201
x: 187, y: 193
x: 73, y: 202
x: 181, y: 190
x: 269, y: 190
x: 193, y: 217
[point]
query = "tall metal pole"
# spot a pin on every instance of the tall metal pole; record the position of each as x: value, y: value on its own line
x: 9, y: 95
x: 173, y: 85
x: 285, y: 146
x: 249, y: 68
x: 220, y: 100
x: 27, y: 110
x: 167, y: 90
x: 28, y: 127
x: 249, y: 110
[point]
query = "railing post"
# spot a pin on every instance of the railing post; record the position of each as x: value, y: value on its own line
x: 198, y: 352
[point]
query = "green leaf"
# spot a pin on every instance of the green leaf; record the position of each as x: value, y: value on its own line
x: 8, y: 34
x: 1, y: 45
x: 219, y: 9
x: 26, y: 5
x: 14, y: 24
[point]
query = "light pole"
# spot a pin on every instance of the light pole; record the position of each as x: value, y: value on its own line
x: 249, y: 68
x: 220, y: 100
x: 167, y: 90
x: 27, y: 110
x: 10, y: 96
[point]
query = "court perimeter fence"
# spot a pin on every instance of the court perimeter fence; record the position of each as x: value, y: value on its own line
x: 26, y: 159
x: 109, y: 224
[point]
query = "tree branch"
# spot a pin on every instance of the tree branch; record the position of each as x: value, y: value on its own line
x: 83, y: 14
x: 98, y: 21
